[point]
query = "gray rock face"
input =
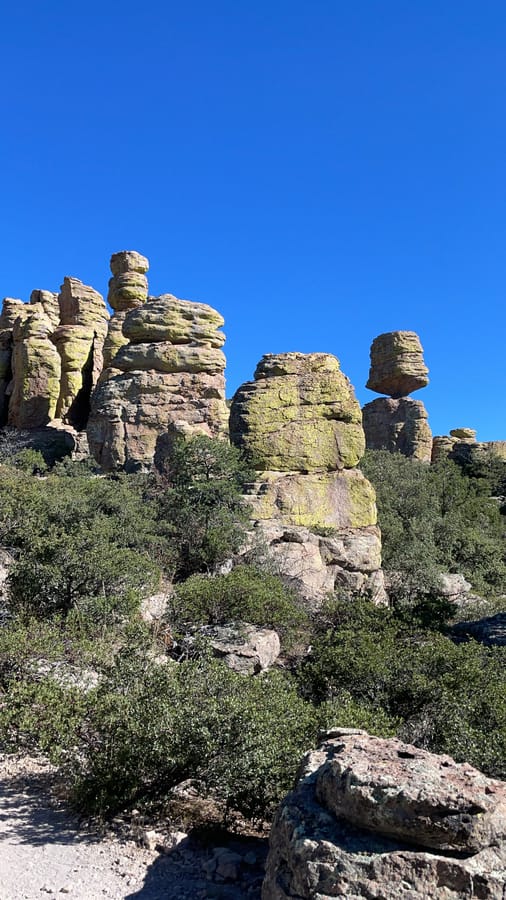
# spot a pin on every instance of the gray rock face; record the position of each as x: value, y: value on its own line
x: 490, y: 630
x: 244, y: 648
x: 400, y: 426
x: 372, y: 818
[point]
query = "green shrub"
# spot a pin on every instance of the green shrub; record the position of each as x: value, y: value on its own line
x: 202, y: 503
x: 153, y: 726
x: 245, y: 594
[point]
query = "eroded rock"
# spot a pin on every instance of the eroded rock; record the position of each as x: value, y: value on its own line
x: 397, y: 366
x: 400, y: 426
x: 160, y: 388
x: 374, y: 818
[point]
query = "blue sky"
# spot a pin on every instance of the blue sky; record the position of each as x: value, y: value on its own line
x: 320, y: 172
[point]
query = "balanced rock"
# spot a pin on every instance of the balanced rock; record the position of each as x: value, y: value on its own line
x: 300, y: 413
x: 79, y: 339
x: 36, y: 369
x: 168, y: 379
x: 300, y: 425
x: 379, y: 818
x: 400, y: 426
x: 128, y: 289
x: 397, y: 366
x: 468, y: 435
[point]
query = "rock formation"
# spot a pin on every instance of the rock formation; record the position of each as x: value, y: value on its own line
x: 461, y: 446
x: 170, y: 377
x: 36, y: 369
x: 128, y: 289
x: 300, y: 425
x: 379, y: 818
x: 397, y: 423
x: 11, y: 309
x: 79, y: 339
x: 397, y: 366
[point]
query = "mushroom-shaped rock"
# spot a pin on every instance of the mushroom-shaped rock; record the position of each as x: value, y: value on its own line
x: 397, y: 366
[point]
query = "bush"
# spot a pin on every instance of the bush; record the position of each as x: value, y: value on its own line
x: 444, y: 697
x: 153, y: 726
x: 202, y: 503
x: 435, y: 519
x: 245, y: 594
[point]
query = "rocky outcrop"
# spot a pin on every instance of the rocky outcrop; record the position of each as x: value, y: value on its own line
x: 397, y: 366
x: 462, y: 447
x: 397, y: 423
x: 36, y: 369
x: 300, y: 425
x: 170, y: 379
x: 79, y: 339
x: 379, y: 818
x: 400, y: 426
x: 490, y: 630
x: 244, y: 648
x: 128, y: 289
x: 11, y: 309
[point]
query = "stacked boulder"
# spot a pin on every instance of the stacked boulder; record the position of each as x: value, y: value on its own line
x: 300, y: 425
x: 79, y: 339
x: 169, y: 379
x: 128, y: 289
x: 397, y: 423
x: 371, y: 817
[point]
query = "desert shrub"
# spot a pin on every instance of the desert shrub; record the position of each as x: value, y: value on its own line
x: 201, y: 502
x: 245, y: 594
x: 77, y: 542
x: 153, y: 726
x: 445, y: 697
x: 435, y: 519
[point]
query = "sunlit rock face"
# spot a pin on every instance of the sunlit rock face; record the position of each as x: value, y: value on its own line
x: 167, y: 378
x: 36, y: 369
x: 299, y: 423
x: 79, y: 340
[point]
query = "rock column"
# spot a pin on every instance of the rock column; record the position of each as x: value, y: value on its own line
x: 79, y: 339
x: 36, y: 369
x: 300, y: 425
x: 11, y: 309
x: 128, y: 289
x: 397, y: 423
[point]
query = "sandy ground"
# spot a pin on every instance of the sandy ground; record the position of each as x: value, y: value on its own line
x: 45, y: 854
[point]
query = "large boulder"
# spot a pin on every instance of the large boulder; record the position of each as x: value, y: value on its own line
x: 397, y: 366
x: 159, y: 387
x: 373, y: 818
x: 400, y: 426
x: 244, y: 648
x: 299, y: 414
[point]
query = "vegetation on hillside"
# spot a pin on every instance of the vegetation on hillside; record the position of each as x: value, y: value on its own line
x: 85, y: 549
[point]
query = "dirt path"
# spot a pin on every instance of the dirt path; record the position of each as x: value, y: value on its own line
x: 46, y: 855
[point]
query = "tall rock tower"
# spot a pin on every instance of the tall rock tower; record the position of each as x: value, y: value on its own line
x: 397, y: 423
x: 300, y: 425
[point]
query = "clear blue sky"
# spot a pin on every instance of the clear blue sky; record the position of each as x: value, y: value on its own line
x: 320, y: 171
